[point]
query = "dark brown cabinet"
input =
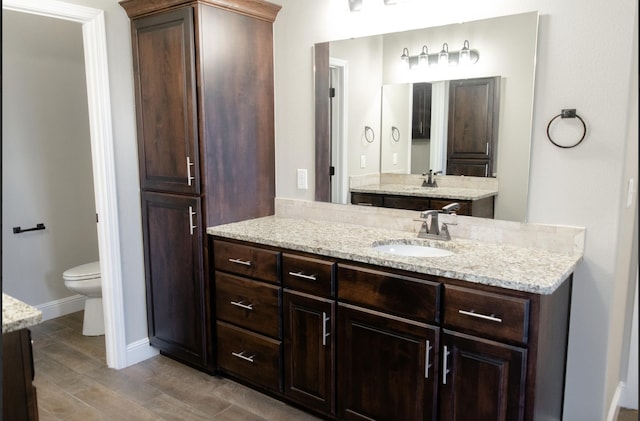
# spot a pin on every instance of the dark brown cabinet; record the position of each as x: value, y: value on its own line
x: 481, y: 379
x: 482, y: 208
x: 204, y: 112
x: 248, y: 312
x: 421, y: 112
x: 387, y: 366
x: 363, y: 342
x: 19, y: 400
x: 309, y: 331
x: 473, y: 126
x: 309, y: 349
x: 174, y: 269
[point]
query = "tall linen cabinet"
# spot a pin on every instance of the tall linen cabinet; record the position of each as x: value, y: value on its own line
x: 203, y: 73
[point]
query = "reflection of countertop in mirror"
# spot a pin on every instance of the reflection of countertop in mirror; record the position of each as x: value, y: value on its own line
x: 458, y: 193
x: 525, y: 257
x: 17, y: 315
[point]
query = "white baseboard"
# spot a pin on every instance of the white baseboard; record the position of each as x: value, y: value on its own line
x: 614, y: 407
x: 139, y: 351
x: 61, y: 307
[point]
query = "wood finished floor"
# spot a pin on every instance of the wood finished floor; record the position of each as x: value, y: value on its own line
x: 74, y: 383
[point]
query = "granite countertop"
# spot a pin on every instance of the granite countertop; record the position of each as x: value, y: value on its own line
x: 459, y: 193
x: 17, y: 315
x: 518, y: 268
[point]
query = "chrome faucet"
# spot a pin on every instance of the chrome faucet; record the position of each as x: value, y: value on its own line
x: 431, y: 181
x: 431, y: 227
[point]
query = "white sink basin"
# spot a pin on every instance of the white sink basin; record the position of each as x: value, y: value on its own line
x: 414, y: 250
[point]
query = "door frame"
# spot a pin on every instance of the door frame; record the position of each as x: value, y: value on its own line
x: 339, y: 128
x: 103, y: 163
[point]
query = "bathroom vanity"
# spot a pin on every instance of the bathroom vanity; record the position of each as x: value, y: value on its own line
x: 18, y: 392
x: 308, y: 311
x: 478, y: 203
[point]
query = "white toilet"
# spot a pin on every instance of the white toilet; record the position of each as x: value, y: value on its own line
x: 86, y: 280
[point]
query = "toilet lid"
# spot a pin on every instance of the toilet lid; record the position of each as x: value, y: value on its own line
x: 86, y: 271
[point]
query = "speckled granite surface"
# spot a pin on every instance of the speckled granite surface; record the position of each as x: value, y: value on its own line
x: 525, y: 269
x: 17, y: 315
x: 458, y: 193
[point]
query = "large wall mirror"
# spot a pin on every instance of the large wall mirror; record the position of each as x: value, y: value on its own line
x: 365, y: 127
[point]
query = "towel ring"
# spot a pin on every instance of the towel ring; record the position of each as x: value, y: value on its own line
x: 369, y: 134
x: 568, y: 113
x: 395, y: 134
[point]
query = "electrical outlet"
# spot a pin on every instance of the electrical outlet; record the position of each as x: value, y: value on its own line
x: 363, y: 161
x: 302, y: 178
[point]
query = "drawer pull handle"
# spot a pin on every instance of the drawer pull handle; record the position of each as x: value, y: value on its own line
x: 242, y: 305
x: 241, y: 262
x: 427, y: 366
x: 303, y: 276
x: 325, y: 319
x: 191, y: 215
x: 190, y: 178
x: 445, y: 370
x: 472, y: 313
x: 243, y: 357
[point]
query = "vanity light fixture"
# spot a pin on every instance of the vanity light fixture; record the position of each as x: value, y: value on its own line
x: 443, y: 58
x: 423, y: 58
x: 355, y: 5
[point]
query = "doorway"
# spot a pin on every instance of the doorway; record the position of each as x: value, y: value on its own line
x: 99, y: 106
x: 338, y: 128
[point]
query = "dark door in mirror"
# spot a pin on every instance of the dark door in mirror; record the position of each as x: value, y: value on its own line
x: 421, y: 113
x: 473, y: 126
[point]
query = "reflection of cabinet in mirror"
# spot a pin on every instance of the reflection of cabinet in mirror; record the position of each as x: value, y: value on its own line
x: 473, y: 126
x: 482, y: 208
x: 421, y: 113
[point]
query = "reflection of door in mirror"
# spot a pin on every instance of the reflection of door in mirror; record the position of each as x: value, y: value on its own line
x: 473, y: 127
x: 420, y: 128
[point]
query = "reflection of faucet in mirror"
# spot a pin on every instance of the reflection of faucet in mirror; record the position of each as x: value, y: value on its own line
x: 431, y: 181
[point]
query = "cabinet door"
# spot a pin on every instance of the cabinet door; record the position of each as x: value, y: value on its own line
x: 421, y: 115
x: 387, y: 367
x: 473, y: 126
x: 309, y: 346
x: 481, y: 380
x: 163, y: 64
x: 172, y: 230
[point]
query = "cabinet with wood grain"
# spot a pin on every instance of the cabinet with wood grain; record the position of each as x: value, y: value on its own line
x: 205, y: 129
x: 359, y: 341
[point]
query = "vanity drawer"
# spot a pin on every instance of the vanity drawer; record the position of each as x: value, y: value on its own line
x: 247, y: 303
x: 413, y: 298
x: 365, y: 199
x: 254, y: 262
x: 306, y: 274
x: 483, y: 313
x: 247, y: 355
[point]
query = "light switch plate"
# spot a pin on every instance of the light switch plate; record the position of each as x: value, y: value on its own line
x: 630, y: 192
x: 395, y: 158
x: 363, y: 161
x: 301, y: 174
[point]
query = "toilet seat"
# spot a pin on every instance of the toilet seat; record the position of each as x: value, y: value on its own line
x: 83, y: 272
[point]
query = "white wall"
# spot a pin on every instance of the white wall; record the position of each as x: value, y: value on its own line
x: 396, y: 112
x: 585, y: 52
x: 46, y: 151
x: 364, y: 93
